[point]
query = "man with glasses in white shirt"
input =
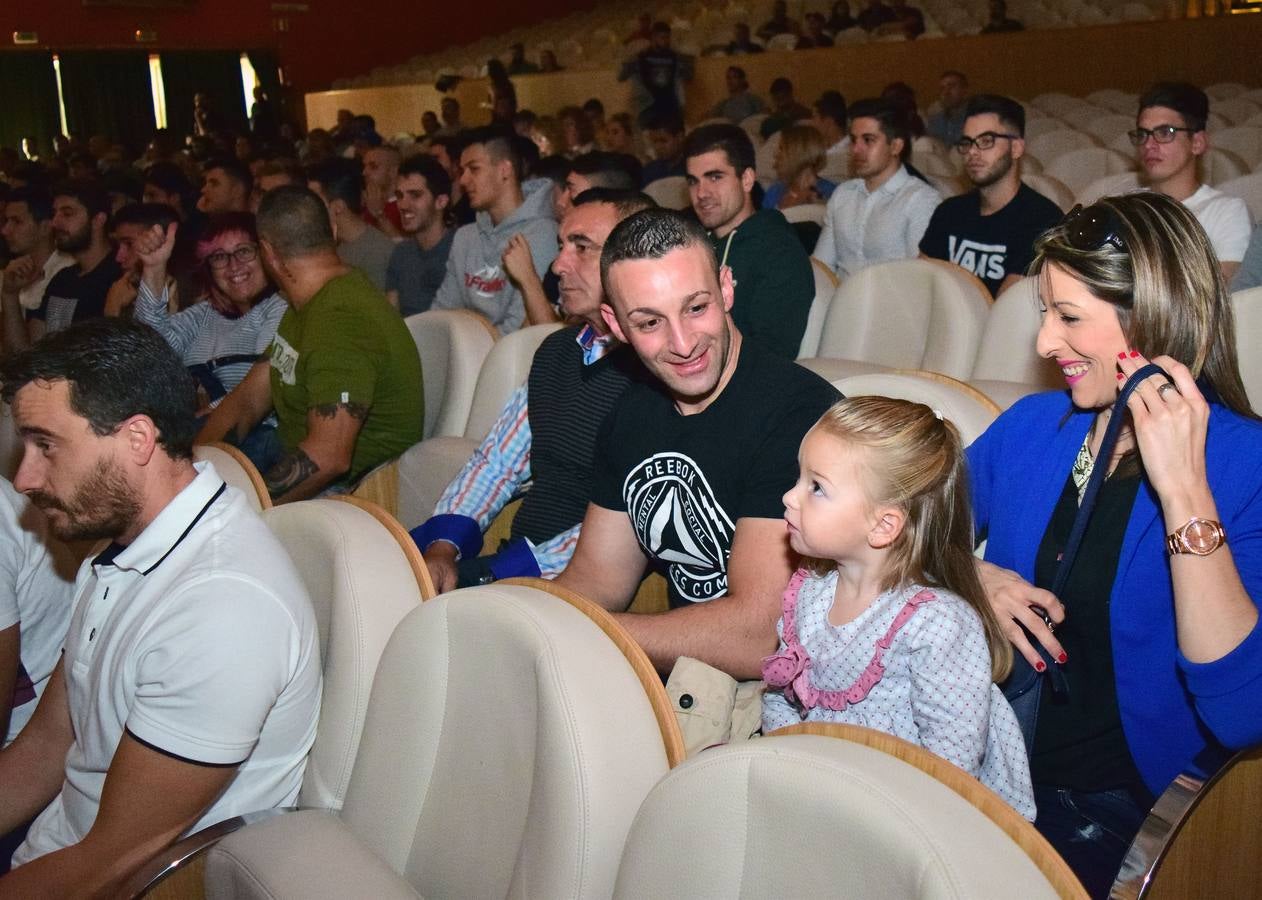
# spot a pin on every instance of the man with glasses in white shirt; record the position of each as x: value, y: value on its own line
x: 991, y: 230
x: 1170, y: 137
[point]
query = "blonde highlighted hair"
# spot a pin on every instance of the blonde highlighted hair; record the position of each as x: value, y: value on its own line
x: 802, y: 147
x: 915, y: 461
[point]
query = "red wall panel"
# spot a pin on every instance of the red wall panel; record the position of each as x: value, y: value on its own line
x: 331, y: 40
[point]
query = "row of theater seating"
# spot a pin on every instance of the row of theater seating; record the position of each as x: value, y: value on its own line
x: 592, y: 38
x: 512, y: 740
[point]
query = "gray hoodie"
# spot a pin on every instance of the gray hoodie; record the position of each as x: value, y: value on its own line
x: 475, y: 270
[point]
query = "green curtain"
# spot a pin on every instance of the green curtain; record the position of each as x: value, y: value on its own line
x: 28, y: 99
x: 109, y: 93
x: 215, y: 73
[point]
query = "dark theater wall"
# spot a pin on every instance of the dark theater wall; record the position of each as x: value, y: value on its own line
x: 330, y: 40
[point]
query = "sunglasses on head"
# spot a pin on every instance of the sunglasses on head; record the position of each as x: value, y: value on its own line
x: 1090, y: 228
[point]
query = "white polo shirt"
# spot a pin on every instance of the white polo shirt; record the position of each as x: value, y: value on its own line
x: 36, y: 594
x: 1225, y: 219
x: 200, y: 641
x: 862, y: 227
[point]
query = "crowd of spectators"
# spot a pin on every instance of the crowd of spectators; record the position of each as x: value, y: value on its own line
x: 661, y: 427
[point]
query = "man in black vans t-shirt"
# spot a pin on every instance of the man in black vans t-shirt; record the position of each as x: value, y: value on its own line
x: 991, y: 231
x: 691, y: 467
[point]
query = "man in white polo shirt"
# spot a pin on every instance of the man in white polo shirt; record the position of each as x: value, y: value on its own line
x: 189, y: 687
x: 881, y: 214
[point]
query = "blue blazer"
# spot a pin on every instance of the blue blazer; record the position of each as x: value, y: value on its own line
x: 1173, y: 710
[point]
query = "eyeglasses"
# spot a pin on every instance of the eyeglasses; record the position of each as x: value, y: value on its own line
x: 1090, y: 228
x: 983, y: 141
x: 1162, y: 134
x: 246, y: 253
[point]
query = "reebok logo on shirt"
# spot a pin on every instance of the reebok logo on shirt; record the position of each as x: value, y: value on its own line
x: 678, y: 521
x: 983, y: 260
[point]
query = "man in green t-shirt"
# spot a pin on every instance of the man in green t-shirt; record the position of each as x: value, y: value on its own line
x: 343, y: 375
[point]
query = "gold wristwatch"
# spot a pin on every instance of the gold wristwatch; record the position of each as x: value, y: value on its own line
x: 1200, y: 537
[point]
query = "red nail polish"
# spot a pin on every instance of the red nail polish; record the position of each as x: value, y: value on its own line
x: 1134, y: 354
x: 1063, y: 658
x: 1122, y: 355
x: 1040, y: 666
x: 1120, y: 376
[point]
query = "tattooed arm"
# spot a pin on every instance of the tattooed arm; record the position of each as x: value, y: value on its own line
x: 322, y: 457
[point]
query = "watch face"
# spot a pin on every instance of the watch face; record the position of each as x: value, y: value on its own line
x: 1202, y: 536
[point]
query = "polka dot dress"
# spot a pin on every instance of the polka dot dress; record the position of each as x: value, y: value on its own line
x: 935, y: 689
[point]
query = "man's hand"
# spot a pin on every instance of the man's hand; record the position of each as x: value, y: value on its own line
x: 440, y: 559
x: 518, y: 262
x: 121, y: 295
x: 20, y: 274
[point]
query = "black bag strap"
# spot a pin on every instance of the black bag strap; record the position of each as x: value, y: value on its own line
x: 1087, y: 506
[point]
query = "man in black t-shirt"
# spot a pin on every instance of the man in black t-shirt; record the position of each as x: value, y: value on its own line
x: 660, y: 72
x: 691, y: 467
x: 991, y: 231
x: 77, y: 292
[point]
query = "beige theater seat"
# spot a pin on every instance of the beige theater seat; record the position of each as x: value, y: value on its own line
x: 765, y: 159
x: 1249, y: 189
x: 1051, y: 188
x: 1109, y: 186
x: 967, y: 408
x: 910, y: 314
x: 425, y: 469
x: 808, y: 815
x: 1078, y: 168
x: 1217, y: 165
x: 235, y: 468
x: 806, y: 212
x: 1247, y: 310
x: 753, y: 126
x: 670, y: 192
x: 1245, y: 141
x: 509, y: 742
x: 1047, y: 147
x: 452, y: 344
x: 364, y: 575
x: 1008, y: 367
x: 825, y: 286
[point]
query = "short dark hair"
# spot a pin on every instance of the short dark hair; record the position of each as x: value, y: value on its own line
x: 452, y: 143
x: 832, y: 105
x: 115, y: 368
x: 342, y: 179
x: 731, y: 139
x: 608, y: 170
x: 500, y: 144
x: 781, y: 86
x: 146, y: 215
x: 1187, y: 100
x: 594, y: 106
x: 233, y: 168
x: 625, y: 202
x: 1010, y: 112
x: 954, y: 73
x: 891, y: 118
x: 283, y: 165
x: 738, y: 72
x: 668, y: 120
x: 38, y: 200
x: 659, y: 28
x: 651, y: 234
x: 88, y: 192
x: 436, y: 177
x: 294, y: 221
x: 168, y: 178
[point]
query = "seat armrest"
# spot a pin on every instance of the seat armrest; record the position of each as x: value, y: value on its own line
x: 170, y: 860
x: 310, y: 854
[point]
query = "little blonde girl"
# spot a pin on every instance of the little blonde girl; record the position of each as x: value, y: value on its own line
x: 886, y: 625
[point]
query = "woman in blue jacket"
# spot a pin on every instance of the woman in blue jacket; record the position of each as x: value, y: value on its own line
x: 1154, y: 639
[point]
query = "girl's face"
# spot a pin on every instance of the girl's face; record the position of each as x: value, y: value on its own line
x: 828, y: 513
x: 240, y: 280
x: 1082, y: 334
